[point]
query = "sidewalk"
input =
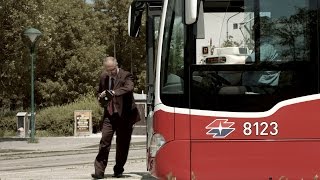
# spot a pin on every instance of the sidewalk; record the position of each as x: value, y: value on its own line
x: 65, y: 158
x: 59, y: 143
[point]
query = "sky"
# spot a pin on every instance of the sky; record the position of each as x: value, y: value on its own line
x: 216, y: 29
x: 89, y: 1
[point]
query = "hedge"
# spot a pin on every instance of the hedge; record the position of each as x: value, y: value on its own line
x: 58, y: 120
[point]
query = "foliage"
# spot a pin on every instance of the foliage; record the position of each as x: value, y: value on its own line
x: 59, y: 120
x: 231, y: 43
x: 291, y: 33
x: 130, y: 52
x: 75, y: 38
x: 72, y: 55
x: 8, y: 125
x: 176, y: 49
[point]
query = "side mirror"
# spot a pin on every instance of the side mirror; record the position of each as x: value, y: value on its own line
x: 134, y: 18
x: 191, y: 11
x: 200, y: 23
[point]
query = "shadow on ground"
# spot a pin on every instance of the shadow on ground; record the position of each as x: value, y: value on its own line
x: 4, y: 139
x: 133, y: 144
x: 131, y: 175
x: 144, y: 175
x: 13, y: 150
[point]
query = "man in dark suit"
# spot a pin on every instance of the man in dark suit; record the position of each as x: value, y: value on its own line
x: 120, y: 114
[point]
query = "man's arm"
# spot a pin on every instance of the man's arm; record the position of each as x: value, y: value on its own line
x: 101, y: 87
x: 127, y: 88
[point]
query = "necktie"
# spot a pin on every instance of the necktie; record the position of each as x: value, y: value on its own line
x: 112, y: 83
x: 110, y: 105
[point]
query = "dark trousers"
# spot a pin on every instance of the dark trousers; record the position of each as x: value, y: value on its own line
x: 123, y: 130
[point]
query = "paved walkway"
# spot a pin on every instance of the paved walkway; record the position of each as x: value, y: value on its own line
x: 65, y: 158
x: 58, y: 143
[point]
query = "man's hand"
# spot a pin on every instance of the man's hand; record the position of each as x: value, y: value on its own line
x: 112, y: 91
x: 103, y: 94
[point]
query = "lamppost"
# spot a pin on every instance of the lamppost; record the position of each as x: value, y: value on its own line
x: 33, y: 35
x: 228, y: 23
x: 114, y: 46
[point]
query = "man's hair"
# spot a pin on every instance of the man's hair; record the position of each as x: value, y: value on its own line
x: 110, y: 58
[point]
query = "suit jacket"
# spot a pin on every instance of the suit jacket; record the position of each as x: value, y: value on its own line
x: 123, y: 100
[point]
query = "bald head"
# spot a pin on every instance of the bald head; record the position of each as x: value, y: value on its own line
x: 111, y: 66
x: 110, y: 60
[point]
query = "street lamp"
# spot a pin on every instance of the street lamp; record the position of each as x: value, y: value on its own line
x: 228, y: 23
x: 33, y: 35
x: 114, y: 46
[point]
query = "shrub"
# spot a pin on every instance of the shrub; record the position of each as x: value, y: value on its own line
x: 8, y: 125
x: 59, y: 120
x: 7, y: 113
x: 56, y: 120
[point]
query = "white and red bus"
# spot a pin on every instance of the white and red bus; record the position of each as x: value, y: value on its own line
x: 259, y: 119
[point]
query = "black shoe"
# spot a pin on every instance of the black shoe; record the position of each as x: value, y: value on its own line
x: 117, y: 175
x: 96, y: 176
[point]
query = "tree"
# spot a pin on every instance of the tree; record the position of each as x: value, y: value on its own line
x: 69, y: 53
x: 14, y: 70
x: 292, y: 33
x: 77, y: 52
x: 130, y: 52
x: 76, y: 37
x: 176, y: 49
x: 231, y: 43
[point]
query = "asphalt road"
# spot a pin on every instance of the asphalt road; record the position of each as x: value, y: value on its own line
x: 70, y: 158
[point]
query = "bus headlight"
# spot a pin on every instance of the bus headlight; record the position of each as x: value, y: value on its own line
x: 157, y: 141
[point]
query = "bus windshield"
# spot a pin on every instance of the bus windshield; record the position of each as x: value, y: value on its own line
x: 255, y: 54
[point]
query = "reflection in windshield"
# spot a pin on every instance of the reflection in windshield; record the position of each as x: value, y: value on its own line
x: 240, y: 37
x: 173, y: 50
x: 258, y: 52
x: 253, y: 51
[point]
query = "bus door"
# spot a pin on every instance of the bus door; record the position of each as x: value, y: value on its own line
x: 254, y: 91
x: 152, y: 31
x: 152, y: 9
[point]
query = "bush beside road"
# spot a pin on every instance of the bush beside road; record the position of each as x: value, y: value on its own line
x: 55, y: 120
x: 59, y: 120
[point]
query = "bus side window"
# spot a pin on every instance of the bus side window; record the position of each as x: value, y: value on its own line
x: 174, y: 79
